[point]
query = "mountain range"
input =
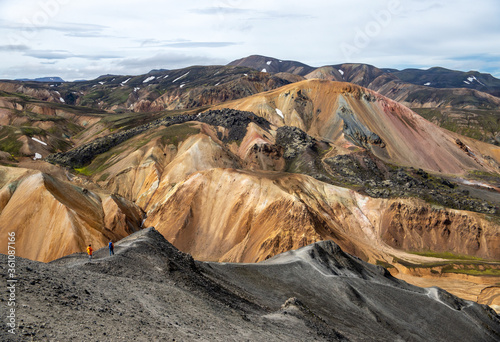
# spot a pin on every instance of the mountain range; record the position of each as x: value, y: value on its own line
x: 248, y: 162
x: 365, y: 75
x: 464, y: 102
x: 42, y: 79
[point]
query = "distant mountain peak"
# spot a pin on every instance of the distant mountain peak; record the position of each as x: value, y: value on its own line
x: 273, y: 65
x: 42, y: 79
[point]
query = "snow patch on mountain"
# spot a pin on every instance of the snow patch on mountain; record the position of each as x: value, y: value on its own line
x: 280, y: 113
x: 39, y: 141
x: 178, y: 78
x: 471, y: 79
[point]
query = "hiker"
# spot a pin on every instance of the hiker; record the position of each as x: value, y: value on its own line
x: 89, y: 251
x: 111, y: 248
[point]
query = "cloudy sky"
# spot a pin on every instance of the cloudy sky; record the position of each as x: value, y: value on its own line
x: 85, y: 39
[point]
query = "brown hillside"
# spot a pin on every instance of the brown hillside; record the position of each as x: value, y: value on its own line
x: 238, y: 216
x: 351, y: 116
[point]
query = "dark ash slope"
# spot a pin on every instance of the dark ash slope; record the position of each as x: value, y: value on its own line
x: 151, y: 291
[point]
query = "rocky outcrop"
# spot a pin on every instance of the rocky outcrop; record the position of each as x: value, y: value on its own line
x: 84, y: 154
x: 294, y: 141
x: 380, y: 180
x: 302, y: 152
x: 423, y: 228
x: 357, y: 132
x: 234, y: 121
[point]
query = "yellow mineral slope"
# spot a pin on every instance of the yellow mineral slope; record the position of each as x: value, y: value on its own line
x: 166, y: 158
x: 243, y: 216
x: 350, y: 115
x: 52, y: 218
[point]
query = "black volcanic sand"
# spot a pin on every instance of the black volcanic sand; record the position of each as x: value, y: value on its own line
x: 149, y: 291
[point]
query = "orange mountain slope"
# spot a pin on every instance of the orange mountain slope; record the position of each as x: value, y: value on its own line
x: 240, y: 216
x: 347, y: 115
x: 52, y: 218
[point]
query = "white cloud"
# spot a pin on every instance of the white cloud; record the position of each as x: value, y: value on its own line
x: 162, y: 60
x: 166, y: 34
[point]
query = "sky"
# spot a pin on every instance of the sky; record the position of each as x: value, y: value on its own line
x: 85, y: 39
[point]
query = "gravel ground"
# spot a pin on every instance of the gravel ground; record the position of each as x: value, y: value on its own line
x: 149, y: 291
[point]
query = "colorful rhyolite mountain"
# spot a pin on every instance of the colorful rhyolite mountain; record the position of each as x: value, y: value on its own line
x: 227, y: 185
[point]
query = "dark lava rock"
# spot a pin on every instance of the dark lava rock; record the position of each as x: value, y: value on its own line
x: 293, y: 140
x: 357, y: 132
x: 379, y: 180
x: 234, y: 120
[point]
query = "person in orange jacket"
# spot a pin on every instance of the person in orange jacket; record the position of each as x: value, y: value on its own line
x: 89, y: 251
